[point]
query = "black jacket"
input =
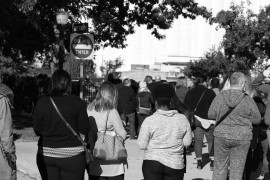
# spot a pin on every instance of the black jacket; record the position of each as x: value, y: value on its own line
x: 192, y: 99
x: 52, y: 130
x: 145, y: 99
x: 126, y: 100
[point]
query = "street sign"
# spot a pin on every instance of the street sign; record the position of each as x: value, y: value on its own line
x: 80, y: 28
x: 82, y: 46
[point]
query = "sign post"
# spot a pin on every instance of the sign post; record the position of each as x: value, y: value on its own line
x: 82, y: 48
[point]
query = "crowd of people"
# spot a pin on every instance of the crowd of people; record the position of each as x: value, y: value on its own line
x: 164, y: 118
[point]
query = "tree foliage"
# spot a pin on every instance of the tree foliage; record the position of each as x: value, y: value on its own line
x: 111, y: 66
x: 73, y: 67
x: 246, y: 36
x: 213, y: 64
x: 246, y: 43
x: 28, y: 26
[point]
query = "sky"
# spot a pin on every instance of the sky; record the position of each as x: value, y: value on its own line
x: 187, y: 39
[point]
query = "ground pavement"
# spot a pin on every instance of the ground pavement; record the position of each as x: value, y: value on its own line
x: 26, y: 152
x: 22, y: 176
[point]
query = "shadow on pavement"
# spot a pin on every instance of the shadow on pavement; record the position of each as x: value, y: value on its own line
x: 190, y: 149
x: 20, y: 122
x: 23, y: 128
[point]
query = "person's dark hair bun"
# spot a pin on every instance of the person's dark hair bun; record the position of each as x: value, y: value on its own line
x: 163, y: 90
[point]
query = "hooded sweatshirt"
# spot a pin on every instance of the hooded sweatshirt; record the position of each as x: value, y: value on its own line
x: 6, y: 136
x: 238, y: 124
x: 163, y: 136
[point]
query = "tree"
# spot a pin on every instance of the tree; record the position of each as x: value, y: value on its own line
x: 30, y: 26
x: 246, y: 36
x: 211, y: 65
x: 110, y: 67
x: 73, y: 67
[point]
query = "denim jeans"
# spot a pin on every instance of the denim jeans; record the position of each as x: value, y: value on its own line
x: 229, y: 152
x: 131, y: 119
x: 198, y: 138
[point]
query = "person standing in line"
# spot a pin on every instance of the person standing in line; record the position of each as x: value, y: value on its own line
x: 127, y: 106
x: 258, y: 98
x: 163, y: 137
x: 264, y: 88
x: 181, y: 88
x: 6, y: 133
x: 148, y: 79
x: 152, y: 84
x: 89, y: 90
x: 233, y: 134
x: 145, y: 104
x: 215, y: 85
x: 103, y: 109
x: 200, y: 97
x: 60, y: 154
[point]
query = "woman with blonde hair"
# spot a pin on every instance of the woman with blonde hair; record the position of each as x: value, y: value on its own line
x: 103, y: 110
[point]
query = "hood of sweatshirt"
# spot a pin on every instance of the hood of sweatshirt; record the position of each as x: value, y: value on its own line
x: 169, y: 113
x: 232, y: 97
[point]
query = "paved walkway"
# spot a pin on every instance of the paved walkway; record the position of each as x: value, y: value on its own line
x: 26, y: 153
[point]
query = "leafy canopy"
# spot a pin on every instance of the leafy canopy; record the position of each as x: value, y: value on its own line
x: 31, y: 27
x: 246, y: 36
x: 245, y: 45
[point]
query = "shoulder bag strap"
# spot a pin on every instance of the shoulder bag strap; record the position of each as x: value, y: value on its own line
x: 227, y: 113
x: 67, y: 124
x: 107, y: 121
x: 199, y: 100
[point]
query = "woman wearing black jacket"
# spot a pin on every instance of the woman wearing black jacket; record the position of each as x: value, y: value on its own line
x: 60, y: 154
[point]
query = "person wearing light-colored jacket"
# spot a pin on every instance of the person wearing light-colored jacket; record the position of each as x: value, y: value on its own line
x: 163, y: 137
x: 103, y: 112
x: 233, y: 134
x: 6, y: 134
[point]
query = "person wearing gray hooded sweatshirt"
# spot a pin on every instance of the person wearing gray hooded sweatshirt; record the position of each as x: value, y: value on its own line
x: 7, y: 146
x: 233, y: 134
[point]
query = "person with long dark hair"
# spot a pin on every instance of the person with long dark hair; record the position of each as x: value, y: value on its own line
x: 60, y: 154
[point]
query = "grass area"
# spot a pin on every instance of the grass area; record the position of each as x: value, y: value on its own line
x: 24, y: 125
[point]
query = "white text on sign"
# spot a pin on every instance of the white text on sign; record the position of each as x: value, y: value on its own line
x: 82, y: 52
